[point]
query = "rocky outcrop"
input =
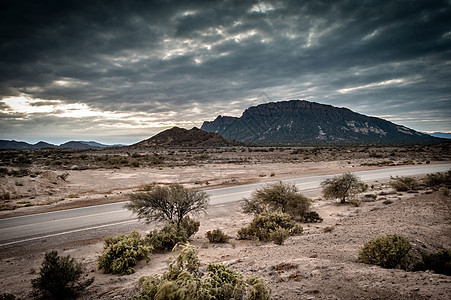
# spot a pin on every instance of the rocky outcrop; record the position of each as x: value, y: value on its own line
x: 304, y: 122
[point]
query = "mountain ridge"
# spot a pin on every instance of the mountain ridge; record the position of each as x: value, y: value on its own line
x: 304, y: 122
x: 76, y: 145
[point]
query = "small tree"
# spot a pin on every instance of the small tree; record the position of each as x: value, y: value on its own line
x: 344, y: 187
x: 60, y: 277
x: 171, y: 203
x: 277, y: 197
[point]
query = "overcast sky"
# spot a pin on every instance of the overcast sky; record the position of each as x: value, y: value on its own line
x: 122, y: 71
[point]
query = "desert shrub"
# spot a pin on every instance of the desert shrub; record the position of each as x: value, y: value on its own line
x: 121, y: 253
x: 183, y: 280
x: 437, y: 180
x: 217, y: 236
x: 190, y: 226
x: 264, y: 224
x: 404, y: 184
x: 222, y: 283
x: 279, y: 235
x: 60, y: 277
x: 385, y: 251
x: 311, y: 217
x: 166, y: 238
x: 170, y: 204
x: 439, y: 262
x: 277, y: 197
x: 344, y: 187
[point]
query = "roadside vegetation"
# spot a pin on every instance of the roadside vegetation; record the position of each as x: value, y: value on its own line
x: 60, y: 277
x: 346, y: 188
x: 185, y: 280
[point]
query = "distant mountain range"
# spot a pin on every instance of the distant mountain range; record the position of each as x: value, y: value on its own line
x: 442, y: 135
x: 77, y: 145
x: 177, y: 137
x: 299, y: 122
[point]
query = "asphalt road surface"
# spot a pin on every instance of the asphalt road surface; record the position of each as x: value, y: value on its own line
x: 86, y: 222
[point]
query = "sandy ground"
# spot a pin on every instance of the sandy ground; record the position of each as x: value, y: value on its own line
x: 326, y: 262
x: 48, y: 192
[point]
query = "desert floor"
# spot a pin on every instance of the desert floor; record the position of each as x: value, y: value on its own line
x: 325, y: 261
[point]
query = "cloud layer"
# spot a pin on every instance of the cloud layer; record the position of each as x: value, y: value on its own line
x: 120, y: 71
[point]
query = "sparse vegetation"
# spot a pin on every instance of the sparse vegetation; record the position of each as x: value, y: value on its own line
x: 387, y: 251
x: 438, y: 180
x: 264, y: 225
x: 344, y: 187
x: 60, y: 277
x: 217, y: 236
x: 404, y: 184
x: 121, y: 253
x: 184, y: 280
x: 170, y: 204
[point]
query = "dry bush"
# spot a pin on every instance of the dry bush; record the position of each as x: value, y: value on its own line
x: 344, y: 187
x: 60, y: 277
x: 171, y: 203
x: 217, y: 236
x: 277, y: 197
x: 404, y: 184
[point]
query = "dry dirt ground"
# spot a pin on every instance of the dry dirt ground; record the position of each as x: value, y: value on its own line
x: 326, y: 264
x: 47, y: 191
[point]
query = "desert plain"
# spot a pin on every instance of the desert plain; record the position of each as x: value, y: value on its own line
x: 321, y: 263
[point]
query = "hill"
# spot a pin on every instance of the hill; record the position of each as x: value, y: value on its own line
x: 303, y: 122
x: 177, y: 137
x: 76, y: 145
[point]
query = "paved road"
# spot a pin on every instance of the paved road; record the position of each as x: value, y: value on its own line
x: 18, y: 230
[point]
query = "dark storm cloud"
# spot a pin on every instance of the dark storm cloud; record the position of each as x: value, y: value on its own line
x: 216, y: 56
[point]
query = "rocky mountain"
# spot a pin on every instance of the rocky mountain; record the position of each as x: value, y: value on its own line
x: 177, y: 137
x: 77, y: 145
x: 303, y: 122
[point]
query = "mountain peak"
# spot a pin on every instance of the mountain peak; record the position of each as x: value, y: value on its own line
x: 179, y: 137
x: 304, y: 122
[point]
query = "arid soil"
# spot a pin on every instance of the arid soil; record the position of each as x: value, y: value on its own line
x: 325, y: 261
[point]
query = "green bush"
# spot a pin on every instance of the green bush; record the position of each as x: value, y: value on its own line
x: 385, y: 251
x: 166, y: 238
x: 217, y: 236
x: 121, y: 253
x: 439, y: 262
x: 222, y: 283
x: 184, y: 280
x: 265, y: 224
x: 404, y: 184
x: 60, y: 277
x: 279, y: 235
